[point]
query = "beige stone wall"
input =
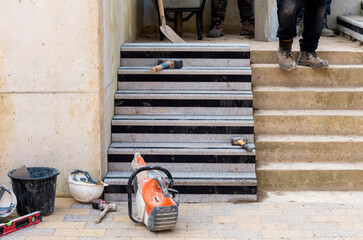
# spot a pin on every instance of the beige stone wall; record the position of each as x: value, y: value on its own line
x: 58, y: 71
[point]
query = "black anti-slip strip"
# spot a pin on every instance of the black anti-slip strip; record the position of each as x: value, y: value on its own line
x: 350, y: 26
x: 196, y: 189
x: 182, y: 130
x: 182, y: 103
x: 182, y: 78
x: 184, y: 158
x: 188, y: 54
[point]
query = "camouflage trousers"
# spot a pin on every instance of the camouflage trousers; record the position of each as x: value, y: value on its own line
x: 219, y: 9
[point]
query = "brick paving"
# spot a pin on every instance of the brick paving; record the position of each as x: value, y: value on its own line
x: 277, y: 215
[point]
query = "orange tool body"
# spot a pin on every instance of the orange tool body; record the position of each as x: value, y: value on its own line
x: 155, y: 203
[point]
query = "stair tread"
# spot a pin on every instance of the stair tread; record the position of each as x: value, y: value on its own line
x: 317, y: 166
x: 182, y: 117
x: 308, y: 112
x: 188, y: 71
x: 275, y: 65
x: 191, y: 95
x: 307, y: 89
x: 308, y: 138
x: 185, y: 47
x: 191, y: 175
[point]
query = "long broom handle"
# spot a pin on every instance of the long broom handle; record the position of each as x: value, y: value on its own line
x: 161, y: 11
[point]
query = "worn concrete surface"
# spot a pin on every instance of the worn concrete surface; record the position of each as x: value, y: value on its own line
x: 277, y: 215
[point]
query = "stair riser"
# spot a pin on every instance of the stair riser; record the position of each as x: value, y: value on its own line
x: 334, y: 58
x: 285, y: 100
x: 310, y: 180
x: 187, y: 62
x: 233, y: 86
x: 178, y: 138
x: 198, y: 198
x: 309, y: 125
x: 189, y: 167
x: 273, y: 75
x: 184, y: 111
x: 267, y: 152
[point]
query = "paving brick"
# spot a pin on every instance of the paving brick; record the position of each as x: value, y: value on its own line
x: 226, y: 219
x: 122, y: 218
x: 309, y: 212
x: 327, y: 206
x: 194, y: 218
x: 54, y: 218
x: 199, y: 206
x: 236, y: 234
x: 273, y: 212
x: 81, y: 206
x: 351, y: 226
x: 138, y: 232
x: 336, y: 219
x: 86, y: 218
x: 310, y: 225
x: 104, y: 238
x: 234, y: 206
x: 286, y: 218
x: 156, y: 238
x: 111, y: 225
x: 31, y: 231
x: 183, y: 233
x: 50, y: 238
x: 13, y: 237
x: 347, y: 212
x: 61, y: 225
x: 285, y: 206
x: 80, y: 232
x: 64, y: 211
x: 262, y: 226
x: 212, y: 226
x: 338, y: 233
x: 64, y: 202
x: 288, y: 234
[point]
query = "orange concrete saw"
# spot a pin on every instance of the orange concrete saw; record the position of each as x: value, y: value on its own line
x: 155, y: 199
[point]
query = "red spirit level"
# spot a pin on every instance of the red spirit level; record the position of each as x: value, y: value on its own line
x: 20, y: 223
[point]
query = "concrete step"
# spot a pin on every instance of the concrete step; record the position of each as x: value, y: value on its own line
x: 192, y: 54
x: 165, y: 128
x: 309, y: 122
x: 351, y: 25
x: 285, y: 98
x: 310, y: 176
x: 335, y: 75
x: 191, y: 157
x: 308, y: 149
x: 335, y: 57
x: 194, y: 186
x: 183, y: 102
x: 195, y: 78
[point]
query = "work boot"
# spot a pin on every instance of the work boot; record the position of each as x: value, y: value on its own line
x: 311, y: 60
x: 299, y: 26
x: 248, y: 27
x: 284, y: 54
x: 326, y: 32
x: 216, y: 30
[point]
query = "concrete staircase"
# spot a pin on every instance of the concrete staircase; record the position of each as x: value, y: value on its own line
x: 309, y: 124
x: 184, y: 120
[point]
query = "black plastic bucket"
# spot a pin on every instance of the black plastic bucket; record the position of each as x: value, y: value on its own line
x: 36, y: 193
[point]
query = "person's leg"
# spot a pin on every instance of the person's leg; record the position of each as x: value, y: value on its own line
x: 247, y: 17
x: 218, y: 14
x: 287, y: 12
x: 326, y: 32
x: 313, y: 25
x: 300, y: 19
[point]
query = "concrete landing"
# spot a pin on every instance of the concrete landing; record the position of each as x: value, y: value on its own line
x: 337, y: 50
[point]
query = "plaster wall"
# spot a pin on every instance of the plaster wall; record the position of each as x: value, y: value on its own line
x: 345, y: 7
x: 58, y: 73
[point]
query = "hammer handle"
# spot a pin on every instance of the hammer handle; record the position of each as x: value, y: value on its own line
x: 245, y: 146
x: 162, y: 66
x: 161, y: 11
x: 102, y: 215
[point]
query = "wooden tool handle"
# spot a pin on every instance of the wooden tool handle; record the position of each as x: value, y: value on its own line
x: 102, y: 215
x: 161, y: 11
x: 160, y: 67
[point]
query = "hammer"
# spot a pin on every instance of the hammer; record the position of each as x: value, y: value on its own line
x: 170, y: 63
x: 106, y: 208
x: 243, y: 142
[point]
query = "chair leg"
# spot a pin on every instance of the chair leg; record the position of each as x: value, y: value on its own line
x: 199, y: 18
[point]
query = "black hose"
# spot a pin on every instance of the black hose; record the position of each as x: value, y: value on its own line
x: 129, y: 186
